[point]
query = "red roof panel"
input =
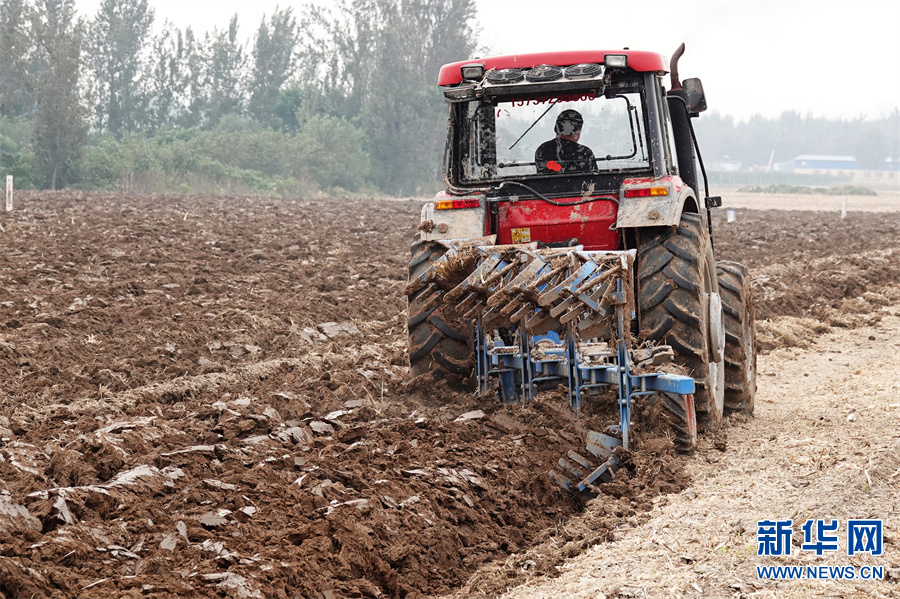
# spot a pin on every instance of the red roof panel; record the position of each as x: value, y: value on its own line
x: 637, y: 60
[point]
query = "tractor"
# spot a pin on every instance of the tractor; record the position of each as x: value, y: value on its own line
x: 572, y: 248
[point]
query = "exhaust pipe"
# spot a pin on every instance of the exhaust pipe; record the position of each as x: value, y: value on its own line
x: 673, y: 69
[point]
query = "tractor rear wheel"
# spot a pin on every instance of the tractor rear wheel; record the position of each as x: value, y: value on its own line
x: 678, y: 298
x: 740, y: 337
x: 439, y: 343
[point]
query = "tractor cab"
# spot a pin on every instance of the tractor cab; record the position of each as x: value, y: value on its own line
x: 511, y: 147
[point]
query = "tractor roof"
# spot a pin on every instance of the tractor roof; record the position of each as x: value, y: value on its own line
x: 637, y: 60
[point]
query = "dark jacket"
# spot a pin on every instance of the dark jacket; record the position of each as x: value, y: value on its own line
x: 564, y: 156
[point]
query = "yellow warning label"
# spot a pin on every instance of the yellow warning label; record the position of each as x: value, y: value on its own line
x: 521, y: 235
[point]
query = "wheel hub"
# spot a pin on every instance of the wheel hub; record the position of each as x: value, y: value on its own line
x: 717, y: 351
x: 716, y: 328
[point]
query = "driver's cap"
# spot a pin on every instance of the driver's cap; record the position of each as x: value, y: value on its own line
x: 568, y: 122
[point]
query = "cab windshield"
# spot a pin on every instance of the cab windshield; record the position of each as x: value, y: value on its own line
x: 499, y: 139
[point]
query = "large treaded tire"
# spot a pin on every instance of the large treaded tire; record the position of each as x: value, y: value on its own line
x: 439, y: 344
x: 675, y: 277
x: 740, y: 337
x: 681, y: 416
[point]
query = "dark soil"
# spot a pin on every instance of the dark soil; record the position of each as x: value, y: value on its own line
x: 209, y: 397
x: 823, y: 259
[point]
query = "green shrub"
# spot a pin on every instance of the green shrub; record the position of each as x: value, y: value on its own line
x: 845, y: 190
x: 331, y: 152
x: 16, y: 157
x: 237, y: 155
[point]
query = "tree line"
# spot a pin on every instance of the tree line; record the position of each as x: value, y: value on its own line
x: 314, y: 100
x: 759, y: 140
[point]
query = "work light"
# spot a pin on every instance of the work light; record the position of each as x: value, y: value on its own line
x: 616, y: 61
x: 472, y: 72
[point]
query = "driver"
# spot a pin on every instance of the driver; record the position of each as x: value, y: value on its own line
x: 564, y: 154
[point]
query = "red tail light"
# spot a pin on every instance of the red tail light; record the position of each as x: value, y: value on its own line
x: 645, y: 192
x: 457, y: 204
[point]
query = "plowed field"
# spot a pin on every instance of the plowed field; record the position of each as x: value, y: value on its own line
x: 208, y: 397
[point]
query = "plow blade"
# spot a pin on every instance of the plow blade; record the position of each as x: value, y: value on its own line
x: 508, y: 285
x: 545, y: 317
x: 578, y: 473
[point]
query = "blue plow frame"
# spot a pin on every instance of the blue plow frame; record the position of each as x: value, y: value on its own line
x: 545, y: 318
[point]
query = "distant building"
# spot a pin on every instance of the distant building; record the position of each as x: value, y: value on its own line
x: 825, y: 165
x: 890, y: 165
x: 726, y: 166
x: 888, y: 170
x: 845, y: 166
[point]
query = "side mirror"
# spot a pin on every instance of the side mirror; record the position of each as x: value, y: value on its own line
x: 693, y: 91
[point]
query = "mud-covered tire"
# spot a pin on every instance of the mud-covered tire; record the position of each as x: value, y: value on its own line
x: 678, y: 413
x: 439, y: 344
x: 740, y: 337
x: 675, y: 278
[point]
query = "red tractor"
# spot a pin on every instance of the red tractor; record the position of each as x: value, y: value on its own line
x: 573, y: 241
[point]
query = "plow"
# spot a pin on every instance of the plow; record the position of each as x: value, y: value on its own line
x: 551, y: 318
x: 583, y: 262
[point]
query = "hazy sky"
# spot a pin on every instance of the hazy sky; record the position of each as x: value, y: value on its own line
x: 836, y: 58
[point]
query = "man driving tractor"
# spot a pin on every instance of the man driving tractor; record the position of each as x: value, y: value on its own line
x: 564, y: 154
